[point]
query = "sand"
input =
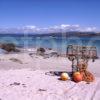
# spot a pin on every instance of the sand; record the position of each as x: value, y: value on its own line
x: 25, y: 78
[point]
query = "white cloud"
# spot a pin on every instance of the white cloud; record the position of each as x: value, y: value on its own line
x: 59, y: 28
x: 30, y: 27
x: 55, y: 28
x: 90, y: 28
x: 64, y: 26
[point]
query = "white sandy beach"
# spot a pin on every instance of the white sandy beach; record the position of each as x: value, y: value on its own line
x: 26, y: 79
x: 49, y: 49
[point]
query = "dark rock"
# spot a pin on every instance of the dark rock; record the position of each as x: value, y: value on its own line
x: 9, y: 47
x: 54, y: 54
x: 16, y: 60
x: 42, y: 90
x: 15, y: 83
x: 41, y: 51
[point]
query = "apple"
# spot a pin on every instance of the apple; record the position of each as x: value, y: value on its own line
x: 64, y: 76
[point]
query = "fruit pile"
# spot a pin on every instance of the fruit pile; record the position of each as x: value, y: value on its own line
x: 77, y: 76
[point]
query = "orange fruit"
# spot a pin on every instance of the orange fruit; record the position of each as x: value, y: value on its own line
x: 77, y: 77
x: 64, y: 76
x: 76, y: 73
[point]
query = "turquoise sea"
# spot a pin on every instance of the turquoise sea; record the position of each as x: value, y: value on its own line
x: 56, y: 43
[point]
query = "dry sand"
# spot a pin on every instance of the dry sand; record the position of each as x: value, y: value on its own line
x: 23, y: 78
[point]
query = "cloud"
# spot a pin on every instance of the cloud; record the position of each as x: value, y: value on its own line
x: 90, y: 28
x: 30, y: 27
x: 55, y: 28
x: 68, y: 26
x: 65, y: 28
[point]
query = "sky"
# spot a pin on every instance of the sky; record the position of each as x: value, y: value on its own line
x: 45, y: 13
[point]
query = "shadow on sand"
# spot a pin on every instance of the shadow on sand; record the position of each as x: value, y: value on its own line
x: 58, y: 73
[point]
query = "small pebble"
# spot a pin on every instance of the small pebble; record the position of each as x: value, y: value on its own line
x: 15, y: 83
x: 42, y: 90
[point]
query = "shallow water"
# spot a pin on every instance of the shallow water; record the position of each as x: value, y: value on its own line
x: 56, y: 43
